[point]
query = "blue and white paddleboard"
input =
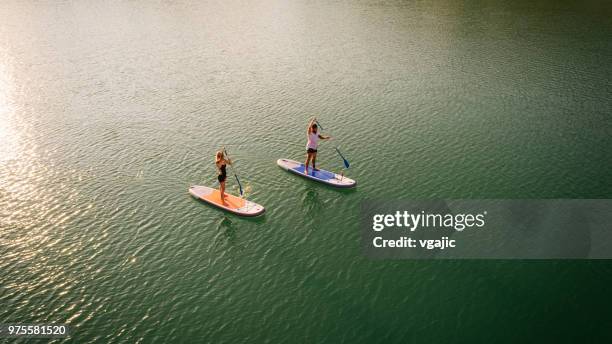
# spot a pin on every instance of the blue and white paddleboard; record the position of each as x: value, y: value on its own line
x: 325, y: 177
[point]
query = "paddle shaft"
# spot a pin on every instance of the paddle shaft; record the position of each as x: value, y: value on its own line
x: 233, y: 171
x: 346, y: 163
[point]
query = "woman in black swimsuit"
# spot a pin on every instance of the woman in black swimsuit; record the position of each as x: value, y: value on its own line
x: 221, y: 163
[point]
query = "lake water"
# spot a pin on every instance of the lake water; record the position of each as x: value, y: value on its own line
x: 110, y: 110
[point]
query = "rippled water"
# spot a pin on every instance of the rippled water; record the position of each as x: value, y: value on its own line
x: 110, y: 110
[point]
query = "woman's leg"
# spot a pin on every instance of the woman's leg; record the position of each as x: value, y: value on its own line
x: 308, y: 157
x: 314, y: 160
x: 222, y: 191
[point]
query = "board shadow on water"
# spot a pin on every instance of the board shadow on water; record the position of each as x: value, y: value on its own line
x: 311, y: 201
x: 228, y: 227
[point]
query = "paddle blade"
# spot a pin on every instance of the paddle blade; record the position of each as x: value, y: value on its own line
x: 346, y: 163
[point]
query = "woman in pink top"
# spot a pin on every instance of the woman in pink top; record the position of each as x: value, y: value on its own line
x: 313, y: 142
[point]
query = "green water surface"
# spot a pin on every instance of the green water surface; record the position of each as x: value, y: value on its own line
x: 110, y: 110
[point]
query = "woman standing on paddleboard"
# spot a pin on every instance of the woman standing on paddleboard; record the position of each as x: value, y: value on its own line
x: 312, y: 144
x: 221, y: 163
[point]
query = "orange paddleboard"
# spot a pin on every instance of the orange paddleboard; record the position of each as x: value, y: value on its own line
x: 233, y: 204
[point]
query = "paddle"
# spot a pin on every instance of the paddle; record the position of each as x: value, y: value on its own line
x: 346, y: 163
x: 233, y: 171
